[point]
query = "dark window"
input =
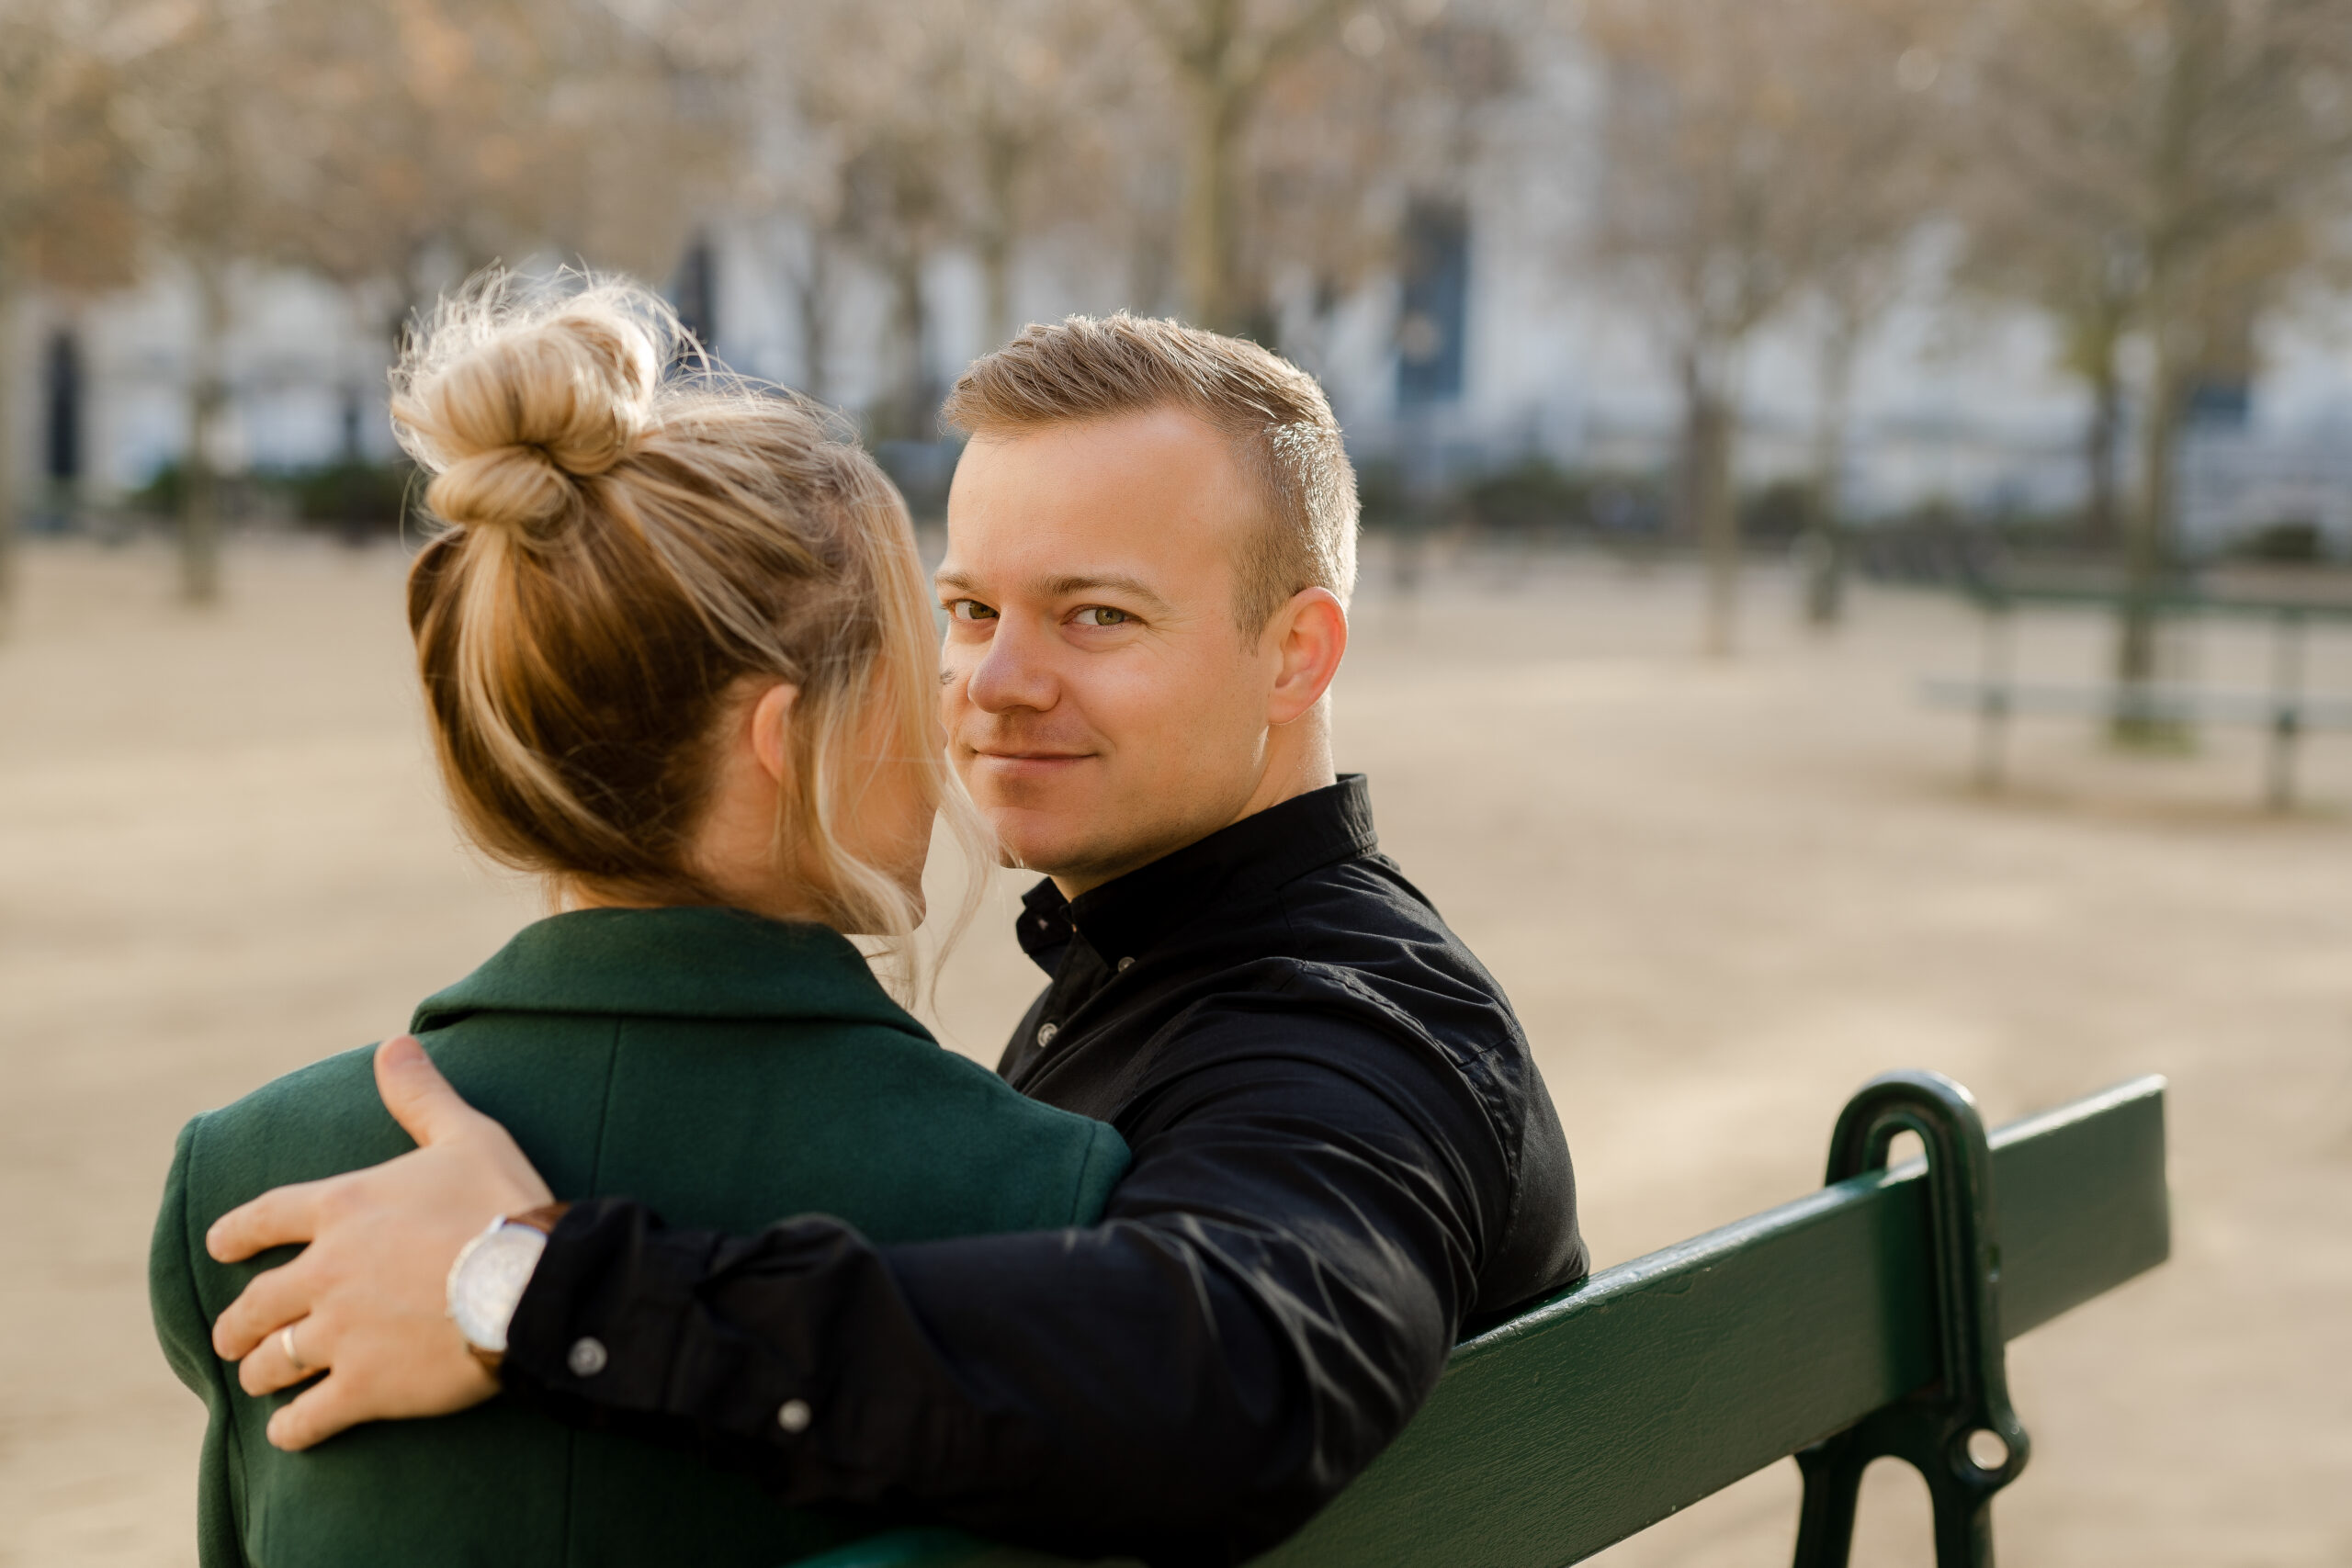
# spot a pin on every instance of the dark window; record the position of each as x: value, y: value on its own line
x: 1436, y: 314
x: 62, y: 453
x: 696, y: 294
x: 2218, y: 404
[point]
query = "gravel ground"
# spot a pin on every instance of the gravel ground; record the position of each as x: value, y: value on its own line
x: 1722, y: 894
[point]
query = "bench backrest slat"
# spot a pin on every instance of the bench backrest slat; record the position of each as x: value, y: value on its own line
x: 1662, y: 1381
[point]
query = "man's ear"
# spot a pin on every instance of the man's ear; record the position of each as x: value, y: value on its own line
x: 772, y: 730
x: 1310, y: 634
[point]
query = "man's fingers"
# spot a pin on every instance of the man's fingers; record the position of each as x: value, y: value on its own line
x: 416, y: 1094
x: 315, y: 1415
x: 277, y: 1217
x: 269, y: 1368
x: 270, y: 1301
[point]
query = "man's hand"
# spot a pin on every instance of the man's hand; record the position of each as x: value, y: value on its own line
x: 366, y: 1299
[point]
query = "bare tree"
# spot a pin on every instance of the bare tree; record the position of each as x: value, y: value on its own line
x: 1038, y: 78
x: 393, y: 146
x: 882, y: 94
x: 2072, y: 258
x: 65, y: 220
x: 205, y: 108
x: 940, y: 126
x: 1385, y: 114
x: 634, y: 128
x: 1717, y: 207
x: 418, y: 143
x: 1878, y: 136
x: 2192, y: 151
x: 1225, y: 56
x: 790, y: 157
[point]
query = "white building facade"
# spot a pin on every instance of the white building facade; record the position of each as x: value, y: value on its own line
x: 1491, y: 344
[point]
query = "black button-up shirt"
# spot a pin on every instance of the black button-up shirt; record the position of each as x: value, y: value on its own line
x: 1344, y: 1156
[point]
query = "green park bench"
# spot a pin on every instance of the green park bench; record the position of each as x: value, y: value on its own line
x: 1866, y: 1319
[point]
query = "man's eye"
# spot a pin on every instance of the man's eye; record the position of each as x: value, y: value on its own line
x: 1100, y: 615
x: 970, y: 610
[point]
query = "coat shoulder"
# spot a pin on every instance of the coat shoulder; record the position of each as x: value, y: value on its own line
x: 991, y: 1157
x: 315, y: 1122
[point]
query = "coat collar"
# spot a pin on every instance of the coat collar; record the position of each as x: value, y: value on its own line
x: 1127, y: 915
x: 676, y: 962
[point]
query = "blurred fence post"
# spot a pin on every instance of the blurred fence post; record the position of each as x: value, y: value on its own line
x: 1993, y: 700
x: 2286, y: 707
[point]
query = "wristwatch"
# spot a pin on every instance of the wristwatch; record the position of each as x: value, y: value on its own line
x: 490, y: 1274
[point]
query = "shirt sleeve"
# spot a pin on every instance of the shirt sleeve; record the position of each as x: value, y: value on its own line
x: 1271, y: 1293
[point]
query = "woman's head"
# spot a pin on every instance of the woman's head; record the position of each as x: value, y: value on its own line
x: 654, y: 590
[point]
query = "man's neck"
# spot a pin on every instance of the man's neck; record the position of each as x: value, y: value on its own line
x: 1294, y: 770
x: 1298, y: 762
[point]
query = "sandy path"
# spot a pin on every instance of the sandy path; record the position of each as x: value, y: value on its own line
x: 1722, y: 895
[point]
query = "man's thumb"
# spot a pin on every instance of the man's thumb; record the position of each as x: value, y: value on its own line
x: 416, y: 1094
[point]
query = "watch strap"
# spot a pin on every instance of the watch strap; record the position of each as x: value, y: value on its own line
x: 543, y: 1219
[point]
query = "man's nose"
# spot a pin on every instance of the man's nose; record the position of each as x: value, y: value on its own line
x: 1016, y: 672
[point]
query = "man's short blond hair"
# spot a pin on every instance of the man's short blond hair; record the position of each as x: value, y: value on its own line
x: 1277, y: 418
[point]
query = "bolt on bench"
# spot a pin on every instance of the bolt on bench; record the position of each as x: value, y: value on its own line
x: 1866, y: 1319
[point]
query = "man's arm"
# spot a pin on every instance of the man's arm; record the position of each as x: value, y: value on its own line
x: 1271, y: 1296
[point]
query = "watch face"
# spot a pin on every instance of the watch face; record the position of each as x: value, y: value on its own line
x: 489, y: 1282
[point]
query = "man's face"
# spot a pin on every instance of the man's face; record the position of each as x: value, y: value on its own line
x: 1101, y: 702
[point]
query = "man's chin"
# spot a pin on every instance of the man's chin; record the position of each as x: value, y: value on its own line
x: 1021, y: 854
x: 1029, y: 840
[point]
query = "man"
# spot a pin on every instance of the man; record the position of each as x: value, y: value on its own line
x: 1343, y: 1152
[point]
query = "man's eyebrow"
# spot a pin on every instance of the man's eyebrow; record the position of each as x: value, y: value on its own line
x: 1064, y: 587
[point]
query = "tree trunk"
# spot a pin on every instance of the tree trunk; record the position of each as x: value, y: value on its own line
x: 996, y: 280
x: 1708, y: 511
x: 207, y: 402
x: 1207, y: 249
x: 1000, y: 161
x: 813, y: 293
x: 2099, y: 443
x: 912, y: 405
x: 1824, y: 548
x: 2148, y: 558
x: 1719, y: 530
x: 11, y: 471
x: 2196, y: 39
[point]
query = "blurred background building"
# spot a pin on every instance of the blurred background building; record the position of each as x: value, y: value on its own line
x: 1698, y: 269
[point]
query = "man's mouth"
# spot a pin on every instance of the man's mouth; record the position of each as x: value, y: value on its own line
x: 1011, y: 762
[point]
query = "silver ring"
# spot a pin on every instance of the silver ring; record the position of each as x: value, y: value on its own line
x: 286, y: 1343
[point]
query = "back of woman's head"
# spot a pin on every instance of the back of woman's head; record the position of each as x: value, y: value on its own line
x: 624, y: 546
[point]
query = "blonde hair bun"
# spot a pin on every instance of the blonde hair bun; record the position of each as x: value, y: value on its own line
x: 679, y: 536
x: 517, y: 398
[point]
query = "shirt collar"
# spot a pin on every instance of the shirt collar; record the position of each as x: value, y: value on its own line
x: 679, y: 963
x: 1130, y: 914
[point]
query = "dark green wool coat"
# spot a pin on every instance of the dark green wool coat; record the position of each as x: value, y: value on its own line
x: 731, y: 1071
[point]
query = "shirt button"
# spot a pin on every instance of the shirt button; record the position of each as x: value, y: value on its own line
x: 587, y: 1358
x: 793, y: 1416
x: 1125, y: 964
x: 1045, y: 1032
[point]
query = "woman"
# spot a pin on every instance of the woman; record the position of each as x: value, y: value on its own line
x: 677, y: 658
